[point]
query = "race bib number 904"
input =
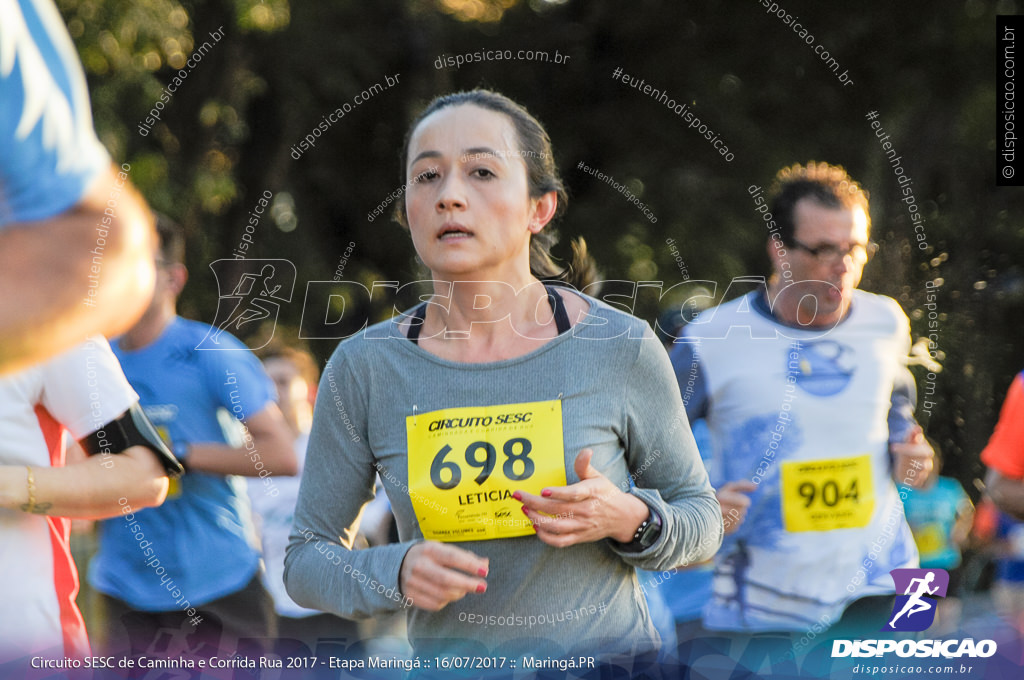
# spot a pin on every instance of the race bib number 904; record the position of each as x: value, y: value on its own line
x: 822, y: 495
x: 464, y: 464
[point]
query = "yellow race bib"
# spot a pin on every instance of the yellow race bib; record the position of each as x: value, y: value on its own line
x: 822, y: 495
x: 464, y: 463
x: 930, y: 538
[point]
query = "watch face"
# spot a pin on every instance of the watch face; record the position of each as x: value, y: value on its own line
x: 650, y: 534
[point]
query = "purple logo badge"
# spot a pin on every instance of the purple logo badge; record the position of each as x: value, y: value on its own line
x: 915, y: 607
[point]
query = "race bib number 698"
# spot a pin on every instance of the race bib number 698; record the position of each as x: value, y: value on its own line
x: 464, y: 464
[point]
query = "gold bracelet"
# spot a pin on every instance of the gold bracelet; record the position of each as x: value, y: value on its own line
x: 31, y: 507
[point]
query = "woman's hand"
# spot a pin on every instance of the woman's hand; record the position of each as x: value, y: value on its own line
x: 589, y: 510
x: 434, y: 574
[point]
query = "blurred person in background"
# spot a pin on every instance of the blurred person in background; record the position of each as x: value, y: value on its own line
x: 75, y: 262
x: 1004, y: 524
x: 202, y: 538
x: 940, y: 516
x: 295, y: 375
x: 1002, y: 538
x: 82, y: 393
x: 75, y: 238
x: 1004, y: 454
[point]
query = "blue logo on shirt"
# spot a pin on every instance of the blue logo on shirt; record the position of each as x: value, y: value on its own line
x: 825, y: 367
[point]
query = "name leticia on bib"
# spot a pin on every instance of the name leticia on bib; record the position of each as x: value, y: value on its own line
x: 464, y: 464
x: 483, y: 497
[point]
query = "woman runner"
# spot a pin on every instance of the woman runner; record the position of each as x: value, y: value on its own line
x: 531, y: 439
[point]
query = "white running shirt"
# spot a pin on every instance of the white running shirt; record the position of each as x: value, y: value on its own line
x: 78, y: 391
x: 808, y: 416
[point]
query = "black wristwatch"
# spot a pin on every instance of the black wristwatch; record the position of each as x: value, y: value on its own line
x: 646, y: 534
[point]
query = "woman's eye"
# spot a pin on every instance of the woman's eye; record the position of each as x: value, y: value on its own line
x: 484, y: 172
x: 425, y: 176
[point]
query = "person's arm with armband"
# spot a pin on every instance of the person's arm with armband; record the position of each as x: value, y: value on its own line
x: 1004, y: 454
x: 128, y: 466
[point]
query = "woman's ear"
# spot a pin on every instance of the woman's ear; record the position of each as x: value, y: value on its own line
x: 543, y: 210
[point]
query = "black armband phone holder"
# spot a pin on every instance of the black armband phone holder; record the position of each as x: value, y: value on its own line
x: 131, y: 428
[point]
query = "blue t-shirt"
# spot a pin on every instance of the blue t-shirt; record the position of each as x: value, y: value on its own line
x: 202, y: 536
x: 49, y: 153
x: 932, y: 513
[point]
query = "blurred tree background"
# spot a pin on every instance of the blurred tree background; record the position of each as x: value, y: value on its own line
x: 227, y: 134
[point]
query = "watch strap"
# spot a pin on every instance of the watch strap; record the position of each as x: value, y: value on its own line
x: 642, y: 538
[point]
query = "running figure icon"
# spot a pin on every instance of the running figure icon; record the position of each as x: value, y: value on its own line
x: 915, y: 603
x: 919, y: 588
x: 251, y: 294
x: 252, y: 306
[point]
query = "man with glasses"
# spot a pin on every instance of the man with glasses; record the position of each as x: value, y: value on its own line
x: 804, y: 386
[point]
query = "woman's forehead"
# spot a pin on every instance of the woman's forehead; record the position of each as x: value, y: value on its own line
x: 461, y: 129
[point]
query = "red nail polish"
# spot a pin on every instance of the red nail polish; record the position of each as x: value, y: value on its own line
x: 482, y: 572
x: 525, y: 511
x: 545, y: 493
x: 481, y: 588
x: 518, y: 496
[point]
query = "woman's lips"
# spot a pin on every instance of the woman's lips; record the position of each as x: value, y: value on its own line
x: 452, y: 232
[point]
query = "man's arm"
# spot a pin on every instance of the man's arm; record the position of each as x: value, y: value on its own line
x: 268, y: 441
x: 961, y: 530
x: 98, y: 487
x: 912, y: 456
x: 1006, y: 493
x: 1004, y: 454
x: 76, y: 274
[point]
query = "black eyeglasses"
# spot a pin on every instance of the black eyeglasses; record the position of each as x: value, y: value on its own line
x: 830, y: 253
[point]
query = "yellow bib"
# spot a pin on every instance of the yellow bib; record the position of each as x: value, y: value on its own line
x: 464, y: 463
x: 930, y: 538
x: 822, y: 495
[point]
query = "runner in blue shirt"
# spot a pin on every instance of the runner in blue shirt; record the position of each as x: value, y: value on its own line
x: 202, y: 539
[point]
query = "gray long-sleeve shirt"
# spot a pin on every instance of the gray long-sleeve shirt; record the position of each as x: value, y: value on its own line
x: 618, y: 397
